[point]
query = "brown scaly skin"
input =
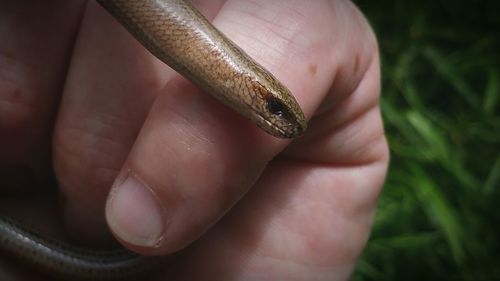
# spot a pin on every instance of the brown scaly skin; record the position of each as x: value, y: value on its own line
x: 181, y: 37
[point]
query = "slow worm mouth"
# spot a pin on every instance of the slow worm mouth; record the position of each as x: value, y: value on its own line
x: 281, y: 134
x: 271, y: 128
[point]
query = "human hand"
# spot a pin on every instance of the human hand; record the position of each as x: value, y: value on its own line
x: 254, y: 206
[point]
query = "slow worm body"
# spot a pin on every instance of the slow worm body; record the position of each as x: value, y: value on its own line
x: 181, y: 37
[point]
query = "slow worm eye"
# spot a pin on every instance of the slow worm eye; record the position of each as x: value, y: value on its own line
x: 276, y: 107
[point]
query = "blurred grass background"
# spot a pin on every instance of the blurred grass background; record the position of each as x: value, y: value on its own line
x: 439, y: 214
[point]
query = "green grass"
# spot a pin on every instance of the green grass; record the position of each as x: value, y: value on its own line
x: 439, y: 214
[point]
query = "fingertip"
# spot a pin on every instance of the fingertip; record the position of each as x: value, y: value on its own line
x: 134, y: 214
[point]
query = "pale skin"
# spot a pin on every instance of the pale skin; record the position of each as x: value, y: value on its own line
x: 183, y: 169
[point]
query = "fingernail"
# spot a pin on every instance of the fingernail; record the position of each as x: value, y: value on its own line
x: 134, y: 213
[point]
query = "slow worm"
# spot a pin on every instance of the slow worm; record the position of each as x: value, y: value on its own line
x: 180, y: 36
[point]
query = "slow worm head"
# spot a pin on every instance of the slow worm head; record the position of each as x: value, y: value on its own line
x: 181, y: 37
